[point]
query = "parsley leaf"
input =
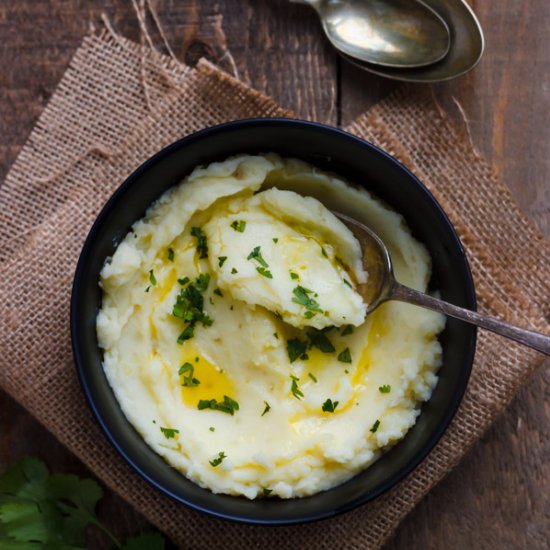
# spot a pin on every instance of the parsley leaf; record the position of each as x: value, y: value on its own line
x: 301, y: 296
x: 267, y: 491
x: 189, y: 306
x: 386, y: 388
x: 375, y: 426
x: 267, y: 408
x: 294, y: 276
x: 347, y: 330
x: 183, y: 281
x: 152, y: 278
x: 296, y: 391
x: 169, y: 433
x: 228, y: 405
x: 275, y: 240
x: 320, y: 341
x: 239, y: 225
x: 217, y: 461
x: 257, y: 255
x: 296, y: 349
x: 202, y: 245
x: 346, y: 282
x: 233, y: 271
x: 218, y: 292
x: 329, y: 406
x: 345, y: 356
x: 312, y: 377
x: 265, y: 272
x: 221, y: 260
x: 171, y: 255
x: 189, y: 381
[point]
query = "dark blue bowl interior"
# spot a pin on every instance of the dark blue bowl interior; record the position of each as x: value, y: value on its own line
x: 359, y: 162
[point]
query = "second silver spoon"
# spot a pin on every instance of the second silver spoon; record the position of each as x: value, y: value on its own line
x: 391, y: 33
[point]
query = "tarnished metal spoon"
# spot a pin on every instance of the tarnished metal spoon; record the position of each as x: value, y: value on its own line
x: 381, y: 286
x: 391, y: 33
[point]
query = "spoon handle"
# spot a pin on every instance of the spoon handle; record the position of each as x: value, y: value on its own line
x: 535, y: 340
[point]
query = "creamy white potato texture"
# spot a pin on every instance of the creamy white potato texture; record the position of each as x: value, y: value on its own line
x: 236, y: 342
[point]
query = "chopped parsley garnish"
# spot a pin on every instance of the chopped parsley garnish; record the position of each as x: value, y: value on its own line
x: 275, y: 240
x: 169, y: 433
x: 170, y: 254
x: 329, y: 406
x: 301, y: 296
x: 265, y: 272
x: 233, y: 271
x: 267, y: 408
x: 320, y: 341
x: 221, y: 260
x: 375, y: 426
x: 148, y: 288
x: 202, y: 245
x: 217, y: 461
x: 296, y: 349
x: 267, y: 491
x: 212, y: 429
x: 346, y: 282
x: 189, y: 306
x: 238, y: 225
x: 183, y: 281
x: 228, y: 405
x: 324, y: 252
x: 347, y: 330
x: 345, y: 356
x: 309, y: 314
x: 218, y: 292
x: 312, y: 377
x: 386, y: 388
x: 296, y: 391
x: 275, y: 335
x: 152, y: 278
x: 294, y: 276
x: 188, y: 381
x: 257, y: 255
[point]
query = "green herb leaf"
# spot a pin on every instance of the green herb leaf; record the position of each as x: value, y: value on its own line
x: 346, y: 282
x: 329, y: 406
x: 183, y: 281
x: 345, y: 356
x: 312, y: 377
x: 171, y: 255
x: 212, y: 429
x: 301, y: 296
x: 324, y: 252
x: 169, y: 433
x: 267, y: 408
x: 239, y: 225
x: 275, y: 335
x: 294, y: 276
x: 187, y: 333
x: 267, y: 491
x: 217, y: 461
x: 257, y: 255
x: 189, y: 381
x: 202, y: 245
x: 296, y: 349
x: 347, y: 330
x: 265, y: 272
x: 375, y: 426
x: 228, y: 405
x: 320, y: 341
x: 202, y: 282
x: 296, y: 391
x: 233, y: 271
x: 386, y: 388
x: 189, y: 307
x: 275, y: 240
x: 152, y: 278
x: 221, y: 260
x: 218, y: 292
x: 148, y: 289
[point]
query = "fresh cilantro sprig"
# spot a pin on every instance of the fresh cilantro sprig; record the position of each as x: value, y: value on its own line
x: 40, y: 510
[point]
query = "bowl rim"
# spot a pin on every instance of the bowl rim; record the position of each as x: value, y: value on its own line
x: 79, y: 357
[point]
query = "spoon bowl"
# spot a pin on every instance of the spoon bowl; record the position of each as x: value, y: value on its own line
x: 402, y: 34
x: 381, y: 286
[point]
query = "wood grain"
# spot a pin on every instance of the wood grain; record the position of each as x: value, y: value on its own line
x: 499, y: 496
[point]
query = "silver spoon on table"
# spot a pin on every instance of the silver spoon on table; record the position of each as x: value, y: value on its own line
x: 382, y: 286
x: 391, y: 33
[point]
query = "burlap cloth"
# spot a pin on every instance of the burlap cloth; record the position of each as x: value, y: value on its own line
x: 117, y: 104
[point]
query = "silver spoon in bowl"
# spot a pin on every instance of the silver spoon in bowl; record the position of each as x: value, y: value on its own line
x: 382, y: 286
x: 391, y: 33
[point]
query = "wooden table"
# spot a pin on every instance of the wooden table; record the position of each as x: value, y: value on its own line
x: 499, y: 496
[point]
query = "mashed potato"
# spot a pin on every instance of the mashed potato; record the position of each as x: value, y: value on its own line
x: 236, y: 343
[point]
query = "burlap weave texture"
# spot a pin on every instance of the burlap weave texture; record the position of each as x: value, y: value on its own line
x: 118, y: 104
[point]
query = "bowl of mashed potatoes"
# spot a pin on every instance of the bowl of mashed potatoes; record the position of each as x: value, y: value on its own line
x: 221, y: 336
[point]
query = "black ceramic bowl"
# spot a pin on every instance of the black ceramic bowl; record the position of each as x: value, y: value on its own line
x: 359, y: 162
